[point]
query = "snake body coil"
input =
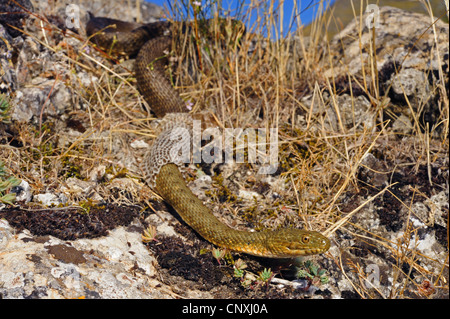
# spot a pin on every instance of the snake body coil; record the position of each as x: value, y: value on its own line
x: 152, y: 41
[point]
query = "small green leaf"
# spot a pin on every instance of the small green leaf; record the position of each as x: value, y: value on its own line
x: 321, y: 272
x: 238, y: 273
x: 265, y: 275
x: 314, y: 269
x: 8, y: 198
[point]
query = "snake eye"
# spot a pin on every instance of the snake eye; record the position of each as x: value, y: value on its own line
x: 305, y: 239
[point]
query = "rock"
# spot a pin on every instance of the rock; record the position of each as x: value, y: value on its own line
x: 402, y: 124
x: 343, y: 11
x: 8, y: 81
x: 50, y: 199
x: 354, y: 113
x: 23, y: 192
x: 86, y: 79
x: 374, y: 170
x: 124, y: 10
x: 410, y: 82
x: 6, y: 233
x: 139, y: 144
x: 97, y: 173
x: 249, y: 195
x: 409, y: 57
x: 49, y: 97
x: 31, y: 61
x: 115, y: 266
x: 78, y: 186
x: 400, y: 36
x: 125, y: 185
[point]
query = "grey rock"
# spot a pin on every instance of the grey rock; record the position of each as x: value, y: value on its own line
x: 8, y: 80
x: 49, y: 97
x: 119, y: 9
x: 409, y: 59
x: 49, y: 199
x: 109, y: 267
x: 23, y: 192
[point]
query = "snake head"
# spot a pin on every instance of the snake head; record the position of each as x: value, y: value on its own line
x: 289, y: 243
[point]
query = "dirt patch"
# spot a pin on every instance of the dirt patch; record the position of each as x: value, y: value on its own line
x: 66, y: 254
x: 69, y: 223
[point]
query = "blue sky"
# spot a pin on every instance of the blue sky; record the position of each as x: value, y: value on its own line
x: 308, y: 8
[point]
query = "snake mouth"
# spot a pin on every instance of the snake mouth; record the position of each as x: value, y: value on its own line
x: 306, y: 251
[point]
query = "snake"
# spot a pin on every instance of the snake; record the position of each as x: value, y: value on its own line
x: 151, y: 43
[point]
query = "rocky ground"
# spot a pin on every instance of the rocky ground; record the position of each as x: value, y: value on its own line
x: 77, y: 130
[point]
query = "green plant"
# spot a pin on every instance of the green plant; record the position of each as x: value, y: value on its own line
x: 264, y: 277
x: 312, y: 272
x: 5, y: 185
x: 239, y: 267
x: 149, y: 234
x: 4, y: 108
x: 219, y: 254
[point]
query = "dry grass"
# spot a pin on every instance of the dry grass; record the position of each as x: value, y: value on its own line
x: 262, y: 89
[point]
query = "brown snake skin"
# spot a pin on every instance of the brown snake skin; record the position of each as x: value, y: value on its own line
x: 152, y: 42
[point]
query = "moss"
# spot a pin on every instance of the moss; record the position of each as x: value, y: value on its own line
x: 291, y: 153
x: 89, y: 204
x: 121, y: 173
x: 250, y: 213
x: 70, y: 169
x: 221, y: 192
